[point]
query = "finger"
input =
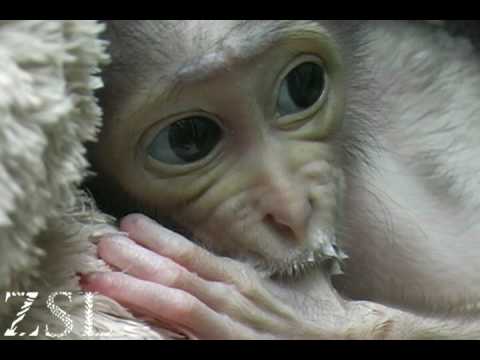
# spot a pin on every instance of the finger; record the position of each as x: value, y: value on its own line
x: 198, y: 260
x: 174, y: 306
x: 167, y: 243
x: 144, y: 264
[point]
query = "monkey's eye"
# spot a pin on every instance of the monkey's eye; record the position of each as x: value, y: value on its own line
x: 185, y: 141
x: 302, y: 88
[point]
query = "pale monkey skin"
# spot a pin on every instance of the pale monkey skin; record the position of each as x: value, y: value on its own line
x: 267, y: 148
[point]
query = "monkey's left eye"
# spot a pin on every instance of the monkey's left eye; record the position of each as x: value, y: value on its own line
x: 185, y: 141
x: 302, y: 88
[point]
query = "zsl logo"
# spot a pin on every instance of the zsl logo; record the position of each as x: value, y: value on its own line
x: 56, y: 311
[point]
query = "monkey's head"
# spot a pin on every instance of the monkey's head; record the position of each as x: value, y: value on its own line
x: 237, y: 131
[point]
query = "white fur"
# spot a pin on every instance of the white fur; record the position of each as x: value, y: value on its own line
x: 419, y: 244
x: 47, y: 112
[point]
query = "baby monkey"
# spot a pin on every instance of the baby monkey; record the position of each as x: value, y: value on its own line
x: 266, y: 147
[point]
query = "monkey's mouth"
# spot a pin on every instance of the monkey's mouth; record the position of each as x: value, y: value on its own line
x: 322, y: 254
x: 318, y: 252
x: 299, y: 265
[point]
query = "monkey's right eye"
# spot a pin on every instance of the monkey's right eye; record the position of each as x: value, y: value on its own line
x: 185, y: 141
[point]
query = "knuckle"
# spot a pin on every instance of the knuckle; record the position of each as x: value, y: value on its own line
x: 247, y: 282
x: 223, y: 290
x: 239, y: 270
x: 186, y: 254
x: 248, y: 288
x: 226, y: 295
x: 175, y: 277
x: 186, y: 305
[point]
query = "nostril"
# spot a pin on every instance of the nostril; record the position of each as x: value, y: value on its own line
x: 283, y: 229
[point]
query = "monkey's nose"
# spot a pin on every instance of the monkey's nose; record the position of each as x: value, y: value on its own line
x: 289, y: 218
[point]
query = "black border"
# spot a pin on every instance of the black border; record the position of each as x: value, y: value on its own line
x: 246, y: 350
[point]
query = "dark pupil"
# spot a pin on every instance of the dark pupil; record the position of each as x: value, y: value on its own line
x: 306, y: 84
x: 193, y: 138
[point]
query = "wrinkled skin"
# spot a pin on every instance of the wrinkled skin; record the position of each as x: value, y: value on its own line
x: 261, y: 205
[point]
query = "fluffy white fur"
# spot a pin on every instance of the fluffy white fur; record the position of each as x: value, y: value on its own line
x: 420, y: 247
x: 47, y: 112
x: 431, y: 81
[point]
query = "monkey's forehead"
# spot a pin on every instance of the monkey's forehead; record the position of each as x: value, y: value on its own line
x: 166, y: 42
x: 198, y: 33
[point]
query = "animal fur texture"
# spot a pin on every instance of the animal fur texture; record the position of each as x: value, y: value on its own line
x: 49, y: 70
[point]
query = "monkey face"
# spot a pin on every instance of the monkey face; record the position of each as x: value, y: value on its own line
x: 232, y: 137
